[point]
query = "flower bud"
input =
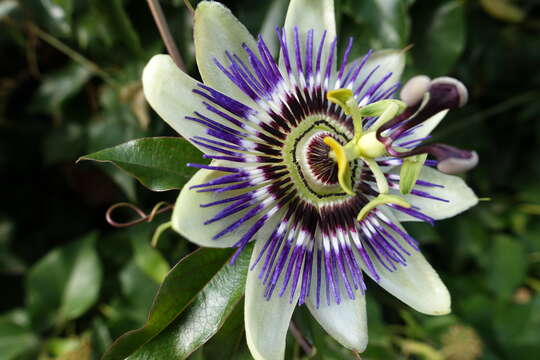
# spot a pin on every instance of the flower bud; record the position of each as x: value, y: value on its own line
x: 414, y: 89
x: 449, y: 91
x: 456, y: 165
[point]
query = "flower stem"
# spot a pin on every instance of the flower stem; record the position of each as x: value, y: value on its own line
x: 308, y: 349
x: 165, y: 33
x: 189, y: 6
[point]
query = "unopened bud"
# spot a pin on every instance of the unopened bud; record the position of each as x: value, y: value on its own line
x: 449, y: 89
x: 413, y: 91
x: 458, y: 165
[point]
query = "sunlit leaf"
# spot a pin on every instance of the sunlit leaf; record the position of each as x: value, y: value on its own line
x: 204, y: 317
x: 158, y: 163
x: 180, y: 288
x: 227, y: 343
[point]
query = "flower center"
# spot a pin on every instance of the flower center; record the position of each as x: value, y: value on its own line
x: 318, y: 163
x: 308, y: 159
x: 365, y: 145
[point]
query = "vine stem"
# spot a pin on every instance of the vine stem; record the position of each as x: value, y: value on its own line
x: 159, y: 208
x: 308, y: 349
x: 189, y: 7
x: 164, y: 31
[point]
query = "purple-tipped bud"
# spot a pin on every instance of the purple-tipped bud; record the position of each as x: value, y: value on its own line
x: 450, y: 160
x: 453, y: 160
x: 414, y: 89
x: 458, y: 165
x: 449, y: 91
x: 444, y: 93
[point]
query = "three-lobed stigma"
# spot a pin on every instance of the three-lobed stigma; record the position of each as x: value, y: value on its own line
x: 365, y: 146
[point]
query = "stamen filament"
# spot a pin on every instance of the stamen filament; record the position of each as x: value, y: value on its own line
x: 393, y: 109
x: 381, y: 200
x: 380, y: 179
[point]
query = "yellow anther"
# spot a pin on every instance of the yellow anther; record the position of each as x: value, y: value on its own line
x: 385, y: 109
x: 344, y: 174
x: 341, y: 97
x: 382, y: 199
x: 344, y: 98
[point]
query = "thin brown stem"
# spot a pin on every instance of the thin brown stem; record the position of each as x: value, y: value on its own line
x: 189, y: 6
x: 164, y: 31
x: 308, y: 349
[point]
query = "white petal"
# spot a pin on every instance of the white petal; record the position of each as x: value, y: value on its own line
x: 275, y: 16
x: 306, y: 15
x: 416, y: 284
x: 425, y: 128
x: 346, y: 322
x: 188, y: 216
x: 215, y: 31
x: 387, y: 61
x: 460, y: 197
x: 267, y: 321
x: 169, y: 91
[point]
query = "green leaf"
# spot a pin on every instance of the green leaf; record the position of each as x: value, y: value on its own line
x: 516, y: 328
x: 118, y: 20
x: 374, y: 24
x: 138, y: 289
x: 149, y: 260
x: 508, y: 266
x: 59, y: 86
x: 180, y: 288
x: 204, y: 317
x: 65, y: 283
x: 389, y: 21
x: 226, y: 344
x: 439, y: 45
x: 50, y: 14
x: 16, y: 336
x: 158, y: 163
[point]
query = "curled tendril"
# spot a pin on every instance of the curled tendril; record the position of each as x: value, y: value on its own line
x: 159, y: 208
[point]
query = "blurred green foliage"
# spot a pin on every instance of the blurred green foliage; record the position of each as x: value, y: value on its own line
x: 70, y: 85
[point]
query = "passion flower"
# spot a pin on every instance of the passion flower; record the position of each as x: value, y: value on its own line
x: 313, y: 160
